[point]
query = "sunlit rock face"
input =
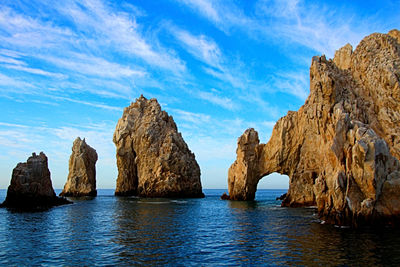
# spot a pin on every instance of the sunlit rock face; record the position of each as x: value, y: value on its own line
x: 30, y: 187
x: 153, y: 159
x: 82, y: 171
x: 341, y: 149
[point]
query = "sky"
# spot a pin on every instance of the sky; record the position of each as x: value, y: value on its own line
x: 68, y: 68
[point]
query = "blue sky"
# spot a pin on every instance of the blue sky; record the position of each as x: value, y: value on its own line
x: 68, y: 68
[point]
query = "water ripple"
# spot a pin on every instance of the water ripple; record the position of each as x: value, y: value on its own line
x: 110, y: 230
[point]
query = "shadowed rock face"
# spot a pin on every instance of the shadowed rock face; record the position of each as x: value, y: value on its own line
x: 341, y: 148
x: 82, y: 171
x: 153, y: 159
x: 31, y: 187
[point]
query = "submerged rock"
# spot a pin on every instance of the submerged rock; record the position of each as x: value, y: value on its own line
x: 225, y: 196
x: 281, y: 197
x: 82, y: 171
x: 31, y: 187
x: 153, y: 159
x: 341, y: 149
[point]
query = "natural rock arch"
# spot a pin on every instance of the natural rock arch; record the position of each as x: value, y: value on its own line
x: 341, y: 148
x: 256, y: 161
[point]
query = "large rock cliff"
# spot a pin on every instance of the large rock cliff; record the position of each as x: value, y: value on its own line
x: 31, y: 187
x: 341, y: 149
x: 153, y: 159
x: 82, y: 171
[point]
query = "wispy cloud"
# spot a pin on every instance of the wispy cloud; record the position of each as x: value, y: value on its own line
x: 221, y: 101
x: 13, y: 125
x: 296, y: 84
x: 191, y: 117
x: 223, y: 14
x: 23, y: 31
x: 120, y: 30
x: 201, y: 47
x: 294, y: 21
x: 35, y: 71
x: 92, y: 104
x: 217, y: 64
x: 93, y: 66
x: 303, y: 24
x: 13, y: 84
x: 80, y: 49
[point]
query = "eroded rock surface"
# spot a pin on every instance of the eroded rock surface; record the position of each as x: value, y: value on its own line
x: 341, y: 149
x: 31, y: 187
x: 153, y: 159
x: 82, y: 171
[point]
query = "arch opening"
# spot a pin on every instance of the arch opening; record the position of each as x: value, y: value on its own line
x: 276, y: 182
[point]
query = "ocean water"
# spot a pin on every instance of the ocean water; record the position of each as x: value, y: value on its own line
x: 123, y: 231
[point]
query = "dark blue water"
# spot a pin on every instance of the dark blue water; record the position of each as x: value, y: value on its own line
x: 110, y: 230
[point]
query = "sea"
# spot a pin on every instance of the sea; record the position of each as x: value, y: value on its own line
x: 129, y: 231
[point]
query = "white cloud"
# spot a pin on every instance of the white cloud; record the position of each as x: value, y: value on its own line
x: 207, y: 8
x: 92, y: 104
x: 35, y: 71
x: 236, y: 78
x: 13, y: 125
x: 304, y: 24
x: 26, y: 32
x: 223, y: 102
x: 223, y: 14
x: 93, y: 66
x: 201, y: 47
x: 191, y: 117
x: 296, y: 84
x: 120, y: 30
x: 207, y: 50
x: 309, y: 24
x: 13, y: 83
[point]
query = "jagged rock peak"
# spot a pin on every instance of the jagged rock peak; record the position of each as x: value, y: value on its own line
x: 153, y: 159
x: 82, y: 171
x: 30, y: 187
x: 342, y: 57
x: 341, y: 149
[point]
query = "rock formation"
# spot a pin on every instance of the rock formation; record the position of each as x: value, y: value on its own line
x: 152, y: 157
x: 82, y: 171
x: 31, y: 187
x: 341, y: 149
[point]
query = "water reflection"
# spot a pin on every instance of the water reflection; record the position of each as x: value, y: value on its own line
x: 28, y: 236
x: 143, y: 228
x: 328, y: 245
x: 129, y: 231
x: 76, y: 233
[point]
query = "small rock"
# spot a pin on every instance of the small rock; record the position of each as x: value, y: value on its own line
x: 82, y: 171
x: 225, y: 196
x: 31, y: 188
x: 282, y: 197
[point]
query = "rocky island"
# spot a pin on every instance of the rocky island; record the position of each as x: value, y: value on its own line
x: 82, y: 171
x: 153, y: 159
x: 31, y: 188
x: 341, y: 149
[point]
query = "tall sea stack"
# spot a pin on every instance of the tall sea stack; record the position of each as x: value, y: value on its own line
x: 82, y: 171
x: 341, y: 149
x: 31, y: 188
x: 153, y: 159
